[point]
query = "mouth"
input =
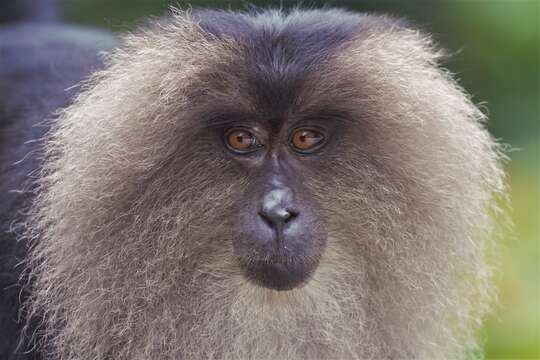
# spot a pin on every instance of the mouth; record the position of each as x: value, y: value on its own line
x: 279, y: 273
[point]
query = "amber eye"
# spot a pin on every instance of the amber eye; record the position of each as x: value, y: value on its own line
x: 306, y: 140
x: 242, y: 141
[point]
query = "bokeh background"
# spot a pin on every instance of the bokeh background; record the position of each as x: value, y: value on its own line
x: 495, y: 46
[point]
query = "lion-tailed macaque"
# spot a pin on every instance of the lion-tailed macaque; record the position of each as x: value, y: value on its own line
x: 272, y: 184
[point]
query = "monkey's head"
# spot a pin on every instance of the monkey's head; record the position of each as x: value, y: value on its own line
x: 304, y: 184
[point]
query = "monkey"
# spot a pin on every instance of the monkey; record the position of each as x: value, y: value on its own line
x: 262, y: 184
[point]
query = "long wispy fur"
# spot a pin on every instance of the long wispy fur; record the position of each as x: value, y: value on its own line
x: 132, y: 225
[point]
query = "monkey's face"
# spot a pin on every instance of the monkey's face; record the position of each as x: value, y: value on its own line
x: 281, y: 231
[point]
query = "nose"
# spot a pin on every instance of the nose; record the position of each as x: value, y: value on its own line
x: 277, y: 208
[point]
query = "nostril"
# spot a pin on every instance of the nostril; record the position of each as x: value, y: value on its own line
x: 291, y: 215
x: 274, y: 217
x: 266, y: 219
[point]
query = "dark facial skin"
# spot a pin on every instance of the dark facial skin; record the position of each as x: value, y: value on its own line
x: 282, y: 234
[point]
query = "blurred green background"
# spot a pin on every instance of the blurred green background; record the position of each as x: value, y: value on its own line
x: 496, y: 47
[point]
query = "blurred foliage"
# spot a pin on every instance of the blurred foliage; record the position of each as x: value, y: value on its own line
x: 495, y: 46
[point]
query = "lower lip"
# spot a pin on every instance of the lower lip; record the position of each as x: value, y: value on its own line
x: 277, y: 275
